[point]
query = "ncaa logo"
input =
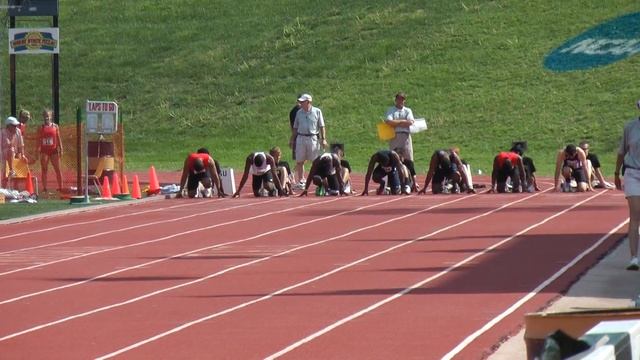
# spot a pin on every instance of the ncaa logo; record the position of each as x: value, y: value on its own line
x: 602, y: 45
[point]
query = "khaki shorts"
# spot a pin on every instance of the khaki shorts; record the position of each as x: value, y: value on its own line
x: 307, y: 148
x: 631, y: 182
x: 403, y: 140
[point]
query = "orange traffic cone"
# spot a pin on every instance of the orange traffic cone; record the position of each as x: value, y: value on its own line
x: 136, y: 194
x: 115, y: 187
x: 106, y: 189
x: 154, y: 185
x: 125, y: 184
x: 29, y: 184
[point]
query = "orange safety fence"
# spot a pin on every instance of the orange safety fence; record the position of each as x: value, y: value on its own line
x: 108, y: 146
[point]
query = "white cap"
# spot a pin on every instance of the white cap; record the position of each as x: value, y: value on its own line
x: 12, y: 121
x: 304, y: 97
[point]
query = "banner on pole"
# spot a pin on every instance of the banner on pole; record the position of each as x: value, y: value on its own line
x: 34, y: 41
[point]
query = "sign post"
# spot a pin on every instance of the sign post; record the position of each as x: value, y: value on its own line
x: 102, y: 118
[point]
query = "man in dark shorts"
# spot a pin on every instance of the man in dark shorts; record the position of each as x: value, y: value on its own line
x: 265, y: 181
x: 384, y: 163
x: 508, y: 165
x: 325, y: 172
x: 200, y: 169
x: 571, y: 163
x: 446, y: 167
x: 292, y: 119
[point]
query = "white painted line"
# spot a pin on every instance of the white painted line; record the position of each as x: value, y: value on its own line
x: 95, y: 221
x: 416, y: 285
x: 111, y: 231
x: 147, y: 241
x: 528, y: 297
x: 321, y: 276
x: 239, y: 266
x: 139, y: 266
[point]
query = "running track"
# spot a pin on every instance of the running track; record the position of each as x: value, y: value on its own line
x: 377, y: 277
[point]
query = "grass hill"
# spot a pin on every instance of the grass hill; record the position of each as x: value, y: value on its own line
x: 224, y: 74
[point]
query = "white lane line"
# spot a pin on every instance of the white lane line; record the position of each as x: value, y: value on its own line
x: 139, y: 266
x: 120, y: 229
x: 216, y: 274
x: 36, y: 231
x: 418, y: 284
x: 152, y: 240
x: 528, y: 297
x: 321, y: 276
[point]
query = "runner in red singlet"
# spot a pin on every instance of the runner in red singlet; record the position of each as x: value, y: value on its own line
x: 49, y: 148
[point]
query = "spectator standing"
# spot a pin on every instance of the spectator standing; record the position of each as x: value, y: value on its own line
x: 49, y: 148
x: 401, y: 118
x: 23, y: 117
x: 292, y: 119
x: 629, y: 157
x: 308, y: 135
x: 11, y: 146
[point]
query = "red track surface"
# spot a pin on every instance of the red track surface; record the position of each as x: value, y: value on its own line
x: 377, y: 277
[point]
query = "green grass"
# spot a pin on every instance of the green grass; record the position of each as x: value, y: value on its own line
x: 17, y: 210
x: 224, y: 74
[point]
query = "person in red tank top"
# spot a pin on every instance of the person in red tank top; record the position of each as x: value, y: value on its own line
x: 508, y: 165
x: 200, y: 169
x: 49, y: 148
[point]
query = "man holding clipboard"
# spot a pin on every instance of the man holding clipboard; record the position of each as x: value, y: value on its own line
x: 401, y: 118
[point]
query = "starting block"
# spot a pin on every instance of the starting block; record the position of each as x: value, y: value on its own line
x: 228, y: 180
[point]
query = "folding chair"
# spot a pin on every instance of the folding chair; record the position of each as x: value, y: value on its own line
x: 105, y: 163
x: 21, y: 169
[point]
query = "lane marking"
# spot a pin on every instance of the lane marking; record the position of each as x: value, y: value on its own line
x: 463, y: 344
x: 93, y: 221
x: 105, y: 275
x: 112, y: 231
x: 417, y: 285
x: 152, y: 240
x: 216, y: 274
x: 321, y: 276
